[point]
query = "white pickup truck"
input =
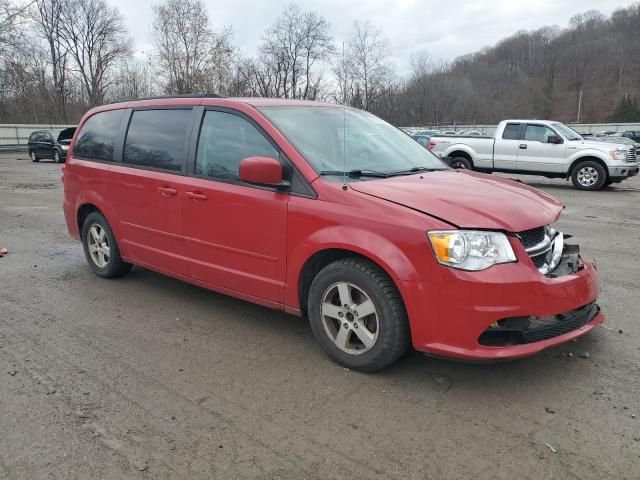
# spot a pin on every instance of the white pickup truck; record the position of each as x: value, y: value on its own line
x: 537, y: 147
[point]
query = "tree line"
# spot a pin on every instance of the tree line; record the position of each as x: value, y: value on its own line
x: 60, y: 57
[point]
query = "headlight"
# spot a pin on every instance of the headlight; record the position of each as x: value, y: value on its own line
x: 618, y: 154
x: 471, y: 249
x: 64, y: 147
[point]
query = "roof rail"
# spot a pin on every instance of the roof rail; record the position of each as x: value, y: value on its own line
x: 186, y: 95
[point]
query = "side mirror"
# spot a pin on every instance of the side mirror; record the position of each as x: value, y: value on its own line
x: 262, y: 171
x: 555, y: 139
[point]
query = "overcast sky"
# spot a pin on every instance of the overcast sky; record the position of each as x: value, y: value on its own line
x: 446, y: 29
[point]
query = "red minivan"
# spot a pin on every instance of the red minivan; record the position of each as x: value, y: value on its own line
x: 329, y: 213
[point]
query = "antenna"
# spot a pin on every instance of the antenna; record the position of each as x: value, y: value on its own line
x: 344, y: 121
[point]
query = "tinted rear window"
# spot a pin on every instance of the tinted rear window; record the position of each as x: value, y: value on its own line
x: 511, y: 131
x: 157, y: 139
x: 98, y: 136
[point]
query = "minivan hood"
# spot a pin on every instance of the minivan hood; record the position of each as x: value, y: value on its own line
x: 468, y: 199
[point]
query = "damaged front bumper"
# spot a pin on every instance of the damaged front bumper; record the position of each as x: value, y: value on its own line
x: 509, y: 311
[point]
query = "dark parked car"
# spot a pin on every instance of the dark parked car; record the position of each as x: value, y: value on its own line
x: 633, y: 135
x: 48, y: 144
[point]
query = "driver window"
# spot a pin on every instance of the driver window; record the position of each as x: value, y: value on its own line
x: 538, y: 133
x: 225, y: 140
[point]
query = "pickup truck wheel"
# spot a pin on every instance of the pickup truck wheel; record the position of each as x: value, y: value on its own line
x: 357, y: 315
x: 101, y: 249
x: 588, y: 175
x: 461, y: 163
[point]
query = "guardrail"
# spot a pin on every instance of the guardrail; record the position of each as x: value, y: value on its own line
x: 16, y: 136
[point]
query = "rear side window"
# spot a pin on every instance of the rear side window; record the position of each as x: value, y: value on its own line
x: 225, y: 140
x: 511, y: 131
x: 98, y: 136
x: 157, y: 139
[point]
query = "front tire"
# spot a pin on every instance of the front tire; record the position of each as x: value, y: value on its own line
x: 589, y: 175
x: 101, y: 249
x: 34, y: 157
x: 357, y: 315
x: 56, y: 157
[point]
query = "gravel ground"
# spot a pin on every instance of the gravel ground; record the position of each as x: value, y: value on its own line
x: 148, y: 377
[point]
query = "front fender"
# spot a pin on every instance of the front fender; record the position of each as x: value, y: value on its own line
x: 360, y: 241
x: 580, y: 155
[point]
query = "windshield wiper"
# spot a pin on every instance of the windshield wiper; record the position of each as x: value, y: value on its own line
x: 356, y: 173
x: 414, y: 170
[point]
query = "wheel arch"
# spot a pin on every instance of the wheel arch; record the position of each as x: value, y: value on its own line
x: 320, y: 259
x: 91, y: 201
x: 587, y: 158
x: 463, y: 154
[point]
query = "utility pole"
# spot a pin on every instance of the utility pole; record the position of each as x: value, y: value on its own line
x: 579, y: 106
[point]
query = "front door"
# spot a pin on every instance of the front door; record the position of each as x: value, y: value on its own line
x: 235, y: 233
x: 536, y: 154
x: 146, y: 188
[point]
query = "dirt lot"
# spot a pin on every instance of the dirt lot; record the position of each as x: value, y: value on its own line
x: 148, y: 377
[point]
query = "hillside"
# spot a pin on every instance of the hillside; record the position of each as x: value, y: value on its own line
x: 537, y: 74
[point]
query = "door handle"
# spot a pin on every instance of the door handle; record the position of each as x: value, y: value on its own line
x: 196, y: 196
x: 523, y: 146
x: 168, y: 191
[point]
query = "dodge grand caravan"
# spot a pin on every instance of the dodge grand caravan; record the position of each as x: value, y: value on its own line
x: 332, y: 214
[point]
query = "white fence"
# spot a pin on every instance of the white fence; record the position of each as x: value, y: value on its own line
x: 17, y: 135
x: 578, y: 127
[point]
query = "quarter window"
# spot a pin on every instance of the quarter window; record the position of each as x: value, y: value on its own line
x: 98, y: 136
x: 225, y: 140
x: 157, y: 139
x: 511, y: 131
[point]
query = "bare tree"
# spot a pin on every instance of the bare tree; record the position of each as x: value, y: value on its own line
x: 11, y: 16
x: 367, y: 65
x: 97, y: 40
x: 191, y: 56
x: 133, y: 80
x: 291, y: 50
x: 48, y: 18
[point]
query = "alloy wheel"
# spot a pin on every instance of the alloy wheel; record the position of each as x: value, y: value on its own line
x: 587, y: 176
x: 98, y: 245
x: 350, y: 318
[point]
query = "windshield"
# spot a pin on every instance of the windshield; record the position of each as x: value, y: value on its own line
x: 569, y: 133
x: 334, y: 140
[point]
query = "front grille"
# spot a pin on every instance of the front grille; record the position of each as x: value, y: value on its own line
x: 539, y: 260
x: 544, y: 246
x: 522, y: 330
x: 531, y: 238
x: 631, y: 155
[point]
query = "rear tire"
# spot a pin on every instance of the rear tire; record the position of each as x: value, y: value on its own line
x: 588, y: 175
x: 461, y: 163
x: 370, y: 330
x: 101, y: 249
x: 34, y: 157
